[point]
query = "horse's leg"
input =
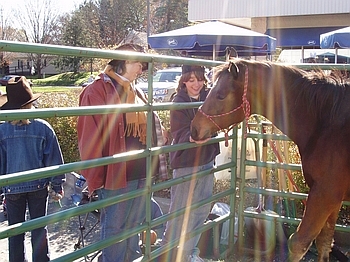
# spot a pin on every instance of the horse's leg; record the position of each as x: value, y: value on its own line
x: 324, y: 240
x: 297, y: 247
x: 313, y: 221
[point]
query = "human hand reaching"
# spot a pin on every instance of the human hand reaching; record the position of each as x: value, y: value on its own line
x: 56, y: 196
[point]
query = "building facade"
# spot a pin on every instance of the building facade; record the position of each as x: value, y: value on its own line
x: 294, y: 23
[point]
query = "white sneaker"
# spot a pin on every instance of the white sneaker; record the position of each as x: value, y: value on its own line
x: 194, y: 258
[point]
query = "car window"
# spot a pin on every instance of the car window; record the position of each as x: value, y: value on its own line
x: 156, y: 77
x: 166, y: 76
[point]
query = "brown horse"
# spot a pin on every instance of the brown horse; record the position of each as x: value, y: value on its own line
x: 313, y: 110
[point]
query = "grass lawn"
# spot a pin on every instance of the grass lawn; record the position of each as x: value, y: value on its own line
x: 58, y: 83
x: 64, y: 79
x: 48, y: 89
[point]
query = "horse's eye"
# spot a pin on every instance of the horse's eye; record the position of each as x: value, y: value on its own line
x: 220, y: 96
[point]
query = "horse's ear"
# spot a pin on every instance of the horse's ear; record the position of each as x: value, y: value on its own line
x: 233, y: 69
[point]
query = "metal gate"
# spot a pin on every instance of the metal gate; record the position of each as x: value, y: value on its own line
x: 236, y: 192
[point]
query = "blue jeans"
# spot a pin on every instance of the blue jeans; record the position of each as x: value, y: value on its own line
x: 184, y: 195
x: 16, y: 213
x: 119, y: 217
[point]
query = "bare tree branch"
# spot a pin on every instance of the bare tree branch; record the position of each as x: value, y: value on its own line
x: 38, y: 19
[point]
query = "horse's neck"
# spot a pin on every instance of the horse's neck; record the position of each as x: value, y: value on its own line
x: 276, y: 101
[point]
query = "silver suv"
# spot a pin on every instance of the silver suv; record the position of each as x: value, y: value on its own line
x: 165, y: 82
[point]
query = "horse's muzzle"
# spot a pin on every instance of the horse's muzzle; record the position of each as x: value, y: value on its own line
x: 197, y: 135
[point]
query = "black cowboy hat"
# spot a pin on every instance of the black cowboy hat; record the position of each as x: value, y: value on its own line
x: 18, y: 94
x: 192, y: 68
x: 129, y: 47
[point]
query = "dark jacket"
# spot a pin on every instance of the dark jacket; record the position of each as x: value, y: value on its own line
x: 180, y: 122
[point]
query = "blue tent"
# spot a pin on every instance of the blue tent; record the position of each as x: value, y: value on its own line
x: 336, y: 39
x: 297, y: 38
x: 214, y: 38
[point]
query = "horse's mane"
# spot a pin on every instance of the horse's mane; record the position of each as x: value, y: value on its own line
x: 323, y: 93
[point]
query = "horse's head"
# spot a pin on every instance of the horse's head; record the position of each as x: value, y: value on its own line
x: 226, y: 103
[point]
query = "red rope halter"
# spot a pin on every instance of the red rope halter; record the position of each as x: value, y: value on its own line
x: 245, y: 106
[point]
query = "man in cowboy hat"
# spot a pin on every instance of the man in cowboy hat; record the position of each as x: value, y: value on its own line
x: 27, y: 144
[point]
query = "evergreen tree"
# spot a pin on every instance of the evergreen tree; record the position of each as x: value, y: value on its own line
x: 118, y: 18
x: 170, y: 15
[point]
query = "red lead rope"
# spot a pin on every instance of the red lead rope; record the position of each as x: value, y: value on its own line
x: 245, y: 106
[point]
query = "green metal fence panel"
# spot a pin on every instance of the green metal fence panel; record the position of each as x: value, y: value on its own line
x: 236, y: 194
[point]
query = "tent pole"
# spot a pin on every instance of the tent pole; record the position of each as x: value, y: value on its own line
x: 302, y: 54
x: 214, y: 49
x: 336, y: 55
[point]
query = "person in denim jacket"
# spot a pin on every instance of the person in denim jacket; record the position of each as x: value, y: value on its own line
x: 26, y: 145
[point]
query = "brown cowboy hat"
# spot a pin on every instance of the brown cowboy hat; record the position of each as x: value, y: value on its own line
x: 18, y: 94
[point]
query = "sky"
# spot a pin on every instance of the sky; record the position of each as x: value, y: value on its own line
x: 62, y: 5
x: 68, y: 5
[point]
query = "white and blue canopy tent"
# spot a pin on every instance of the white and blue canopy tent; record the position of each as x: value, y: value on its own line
x: 336, y: 39
x: 293, y: 39
x: 214, y: 39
